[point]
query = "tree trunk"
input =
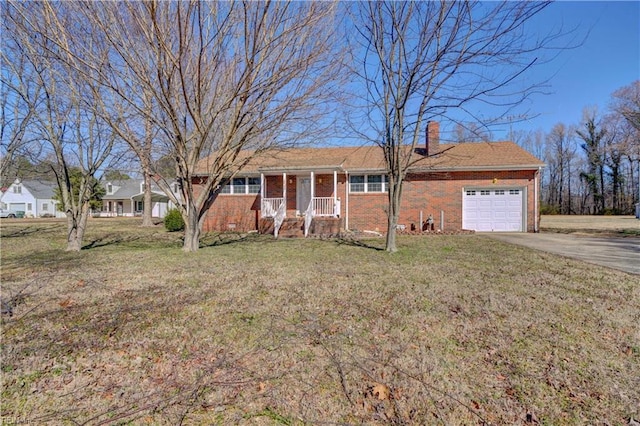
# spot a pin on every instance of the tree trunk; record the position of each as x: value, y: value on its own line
x: 147, y: 207
x: 392, y: 216
x: 191, y: 231
x: 76, y: 226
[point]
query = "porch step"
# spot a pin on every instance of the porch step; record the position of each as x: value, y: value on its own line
x: 292, y: 228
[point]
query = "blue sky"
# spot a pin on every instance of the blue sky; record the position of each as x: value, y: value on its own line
x: 587, y: 75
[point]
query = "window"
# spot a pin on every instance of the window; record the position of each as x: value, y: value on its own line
x: 243, y: 185
x: 175, y: 188
x: 109, y: 188
x: 139, y: 206
x: 374, y: 183
x: 485, y: 192
x: 514, y: 192
x: 17, y: 189
x: 226, y: 189
x: 254, y: 185
x: 500, y: 192
x: 238, y: 186
x: 29, y: 207
x: 45, y: 207
x: 471, y: 192
x: 368, y: 183
x: 356, y: 183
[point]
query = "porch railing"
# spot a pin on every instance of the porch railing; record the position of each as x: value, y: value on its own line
x: 270, y: 206
x: 325, y: 206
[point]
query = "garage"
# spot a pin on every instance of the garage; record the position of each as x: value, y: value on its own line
x: 493, y: 210
x: 18, y: 207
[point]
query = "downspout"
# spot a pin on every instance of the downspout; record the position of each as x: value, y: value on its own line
x: 536, y: 201
x: 335, y: 193
x: 346, y: 197
x: 263, y: 190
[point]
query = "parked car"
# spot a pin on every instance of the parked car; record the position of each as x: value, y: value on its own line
x: 6, y: 213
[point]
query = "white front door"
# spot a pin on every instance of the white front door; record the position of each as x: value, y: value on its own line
x: 303, y: 194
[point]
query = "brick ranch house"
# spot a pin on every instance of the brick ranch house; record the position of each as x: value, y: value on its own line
x: 485, y: 186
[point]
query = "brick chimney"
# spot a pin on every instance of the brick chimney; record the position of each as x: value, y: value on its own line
x: 433, y: 138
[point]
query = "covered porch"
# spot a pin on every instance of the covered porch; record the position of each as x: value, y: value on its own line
x: 299, y: 197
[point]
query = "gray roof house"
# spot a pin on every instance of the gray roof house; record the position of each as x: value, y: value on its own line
x: 32, y: 197
x: 126, y: 198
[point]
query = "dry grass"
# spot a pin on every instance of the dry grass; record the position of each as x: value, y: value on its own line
x: 450, y: 330
x: 614, y: 225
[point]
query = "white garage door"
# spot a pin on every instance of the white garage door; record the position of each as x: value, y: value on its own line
x: 492, y: 210
x: 18, y: 207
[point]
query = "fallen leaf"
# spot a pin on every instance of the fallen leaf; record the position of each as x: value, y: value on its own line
x: 381, y: 391
x: 66, y: 303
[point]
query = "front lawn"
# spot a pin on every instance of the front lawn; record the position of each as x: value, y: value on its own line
x: 250, y: 330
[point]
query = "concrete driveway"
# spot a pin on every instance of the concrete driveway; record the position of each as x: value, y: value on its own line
x: 613, y: 252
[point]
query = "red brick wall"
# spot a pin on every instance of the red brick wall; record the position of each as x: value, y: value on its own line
x: 233, y: 213
x: 435, y: 192
x: 426, y: 192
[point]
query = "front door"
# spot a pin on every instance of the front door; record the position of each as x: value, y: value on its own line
x: 303, y: 192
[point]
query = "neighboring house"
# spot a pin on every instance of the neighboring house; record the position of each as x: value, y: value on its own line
x: 484, y: 186
x: 126, y: 198
x: 33, y: 197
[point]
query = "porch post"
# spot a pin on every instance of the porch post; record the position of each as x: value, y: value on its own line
x: 263, y: 183
x: 284, y: 190
x: 313, y: 186
x: 335, y: 193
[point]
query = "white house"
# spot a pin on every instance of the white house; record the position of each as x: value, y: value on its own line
x: 126, y: 198
x: 33, y: 197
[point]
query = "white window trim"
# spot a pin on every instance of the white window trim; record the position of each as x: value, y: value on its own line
x: 384, y: 184
x: 235, y: 189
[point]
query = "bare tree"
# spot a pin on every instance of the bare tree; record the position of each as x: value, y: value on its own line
x: 18, y: 100
x: 64, y: 120
x: 222, y: 81
x: 626, y: 103
x: 424, y: 60
x: 560, y: 158
x: 470, y: 132
x: 593, y: 146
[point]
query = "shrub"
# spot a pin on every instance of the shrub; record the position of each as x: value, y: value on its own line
x: 173, y: 221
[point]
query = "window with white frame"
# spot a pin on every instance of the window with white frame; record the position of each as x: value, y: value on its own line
x: 368, y: 183
x: 471, y: 192
x: 17, y: 189
x: 109, y: 188
x: 485, y: 192
x: 139, y: 206
x: 29, y: 207
x: 242, y: 185
x: 45, y: 207
x: 514, y: 192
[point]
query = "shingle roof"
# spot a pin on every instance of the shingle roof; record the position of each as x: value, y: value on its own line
x: 41, y: 190
x: 125, y: 189
x: 463, y: 156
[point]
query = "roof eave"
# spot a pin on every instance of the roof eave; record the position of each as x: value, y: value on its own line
x: 499, y: 168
